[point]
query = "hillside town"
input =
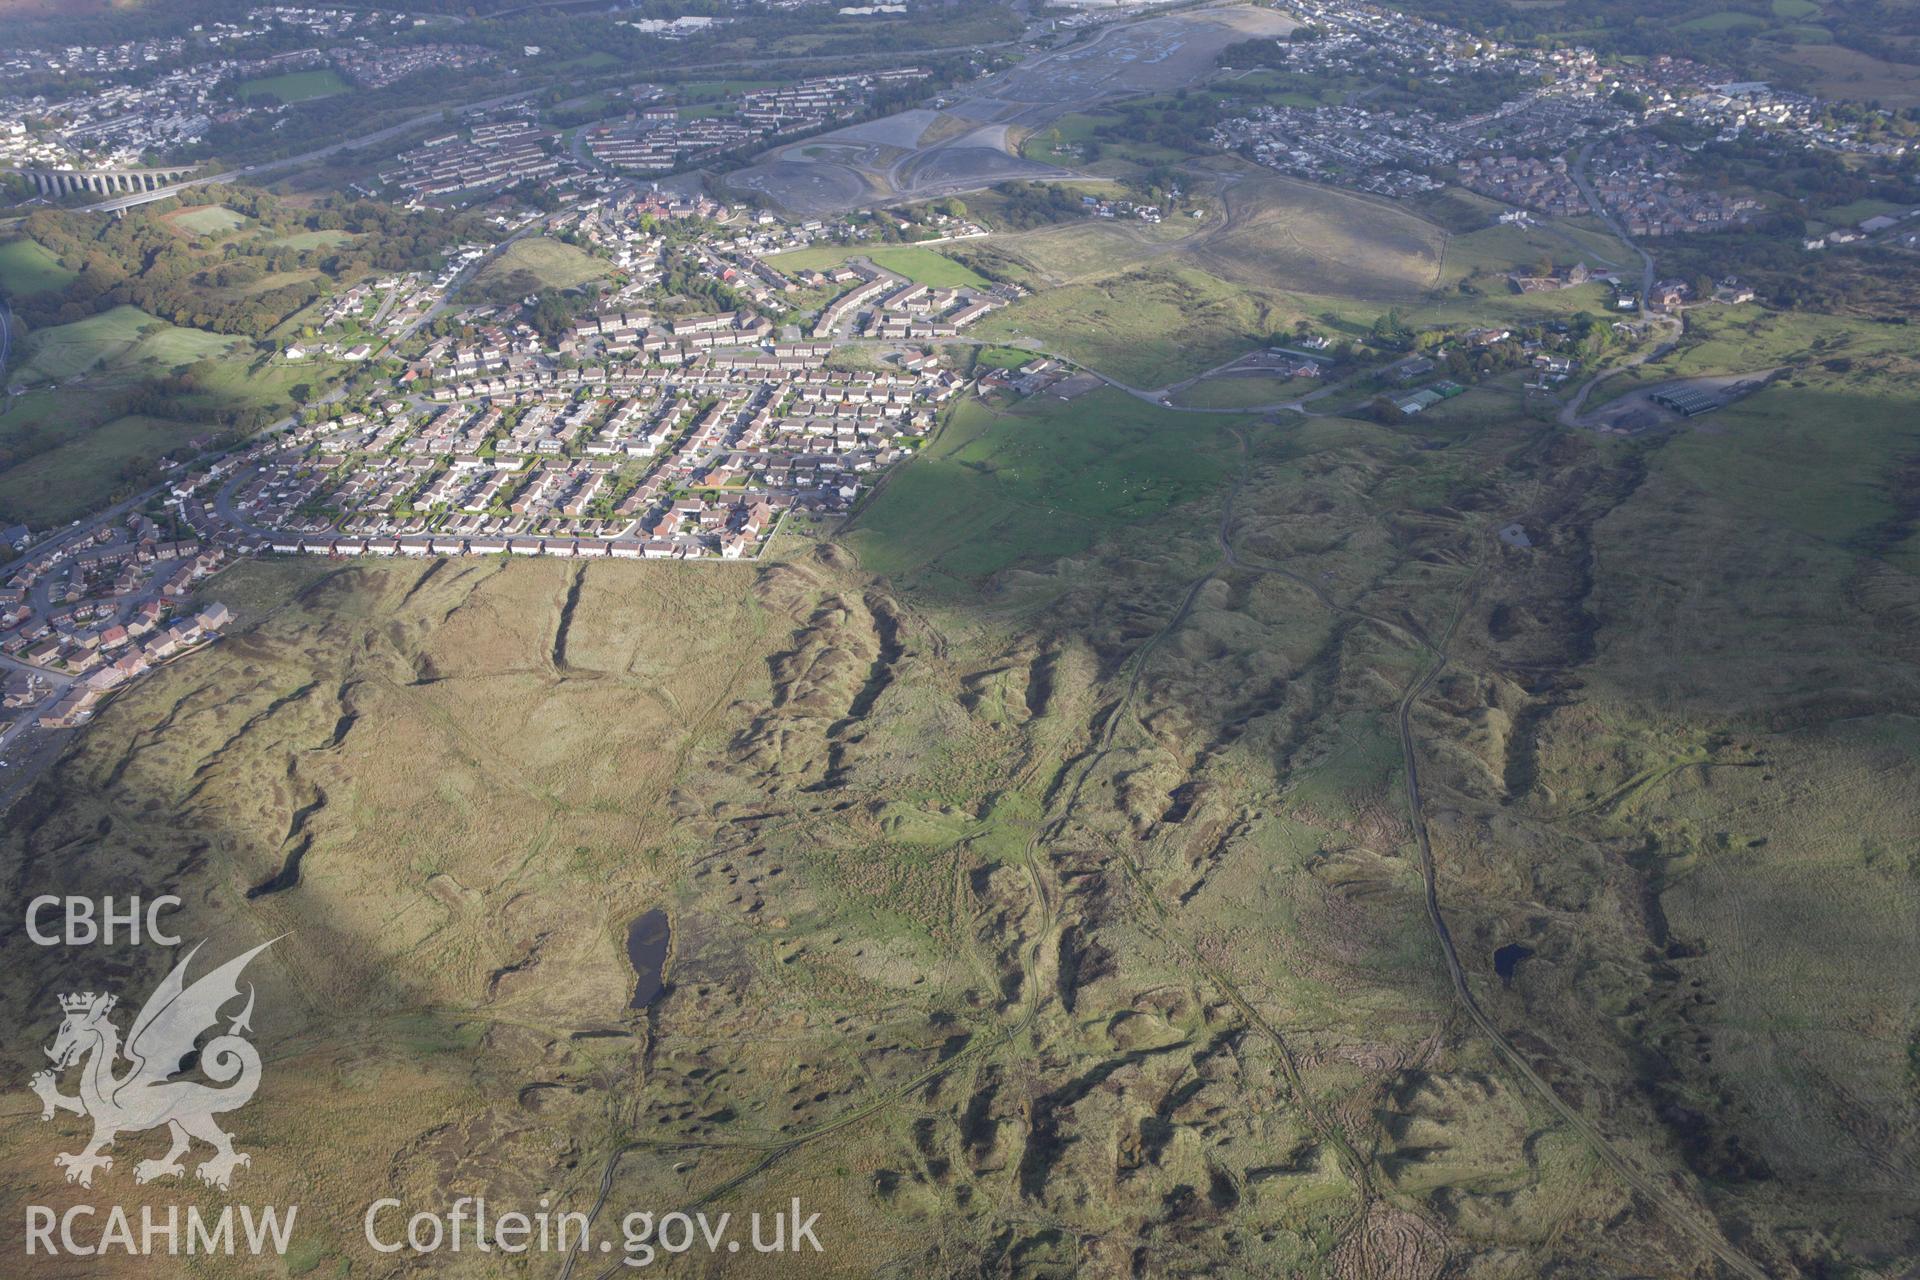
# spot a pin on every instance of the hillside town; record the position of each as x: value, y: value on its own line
x: 634, y: 434
x: 80, y: 619
x: 662, y: 136
x: 1551, y: 105
x: 708, y: 392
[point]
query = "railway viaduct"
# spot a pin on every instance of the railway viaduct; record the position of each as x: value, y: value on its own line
x: 105, y: 182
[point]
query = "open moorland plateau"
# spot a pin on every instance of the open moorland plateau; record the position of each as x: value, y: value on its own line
x: 1162, y: 719
x: 1034, y: 914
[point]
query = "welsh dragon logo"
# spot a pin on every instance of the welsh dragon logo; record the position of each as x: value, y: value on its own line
x: 160, y: 1045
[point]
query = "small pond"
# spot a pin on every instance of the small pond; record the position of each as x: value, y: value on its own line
x: 1508, y: 958
x: 648, y: 939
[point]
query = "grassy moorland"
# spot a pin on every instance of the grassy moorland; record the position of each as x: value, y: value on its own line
x: 1098, y: 789
x: 1050, y: 887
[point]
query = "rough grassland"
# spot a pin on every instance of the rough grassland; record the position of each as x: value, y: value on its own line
x: 1152, y: 304
x: 79, y: 476
x: 1147, y: 328
x: 1284, y: 234
x: 540, y: 263
x: 1045, y: 892
x: 1041, y: 479
x: 1840, y: 72
x: 1040, y: 877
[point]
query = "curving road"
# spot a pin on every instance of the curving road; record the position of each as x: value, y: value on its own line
x: 1578, y: 172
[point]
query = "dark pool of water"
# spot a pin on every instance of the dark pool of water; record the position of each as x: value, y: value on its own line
x: 647, y: 941
x: 1508, y: 958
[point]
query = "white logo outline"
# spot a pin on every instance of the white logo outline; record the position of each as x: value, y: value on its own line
x: 163, y: 1034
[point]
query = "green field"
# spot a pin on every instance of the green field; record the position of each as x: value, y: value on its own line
x: 1268, y: 83
x: 210, y: 220
x: 1002, y: 357
x: 38, y: 416
x: 1042, y: 479
x: 123, y: 340
x: 76, y: 446
x: 1826, y: 482
x: 1085, y: 247
x: 720, y: 88
x: 1496, y: 251
x: 1747, y: 338
x: 88, y: 471
x: 1064, y: 142
x: 28, y: 268
x: 923, y: 266
x: 297, y: 86
x: 1794, y: 9
x: 1147, y: 328
x: 1267, y: 233
x: 315, y: 239
x: 536, y: 263
x: 1241, y: 391
x: 1856, y: 211
x: 595, y: 61
x: 1283, y: 234
x: 1724, y: 21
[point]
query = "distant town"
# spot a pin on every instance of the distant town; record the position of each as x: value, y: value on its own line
x: 705, y: 394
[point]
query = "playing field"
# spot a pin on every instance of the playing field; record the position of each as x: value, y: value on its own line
x: 1856, y: 211
x: 1066, y: 141
x: 315, y: 239
x: 297, y: 86
x: 1724, y: 21
x: 1240, y: 391
x: 922, y: 266
x: 206, y: 220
